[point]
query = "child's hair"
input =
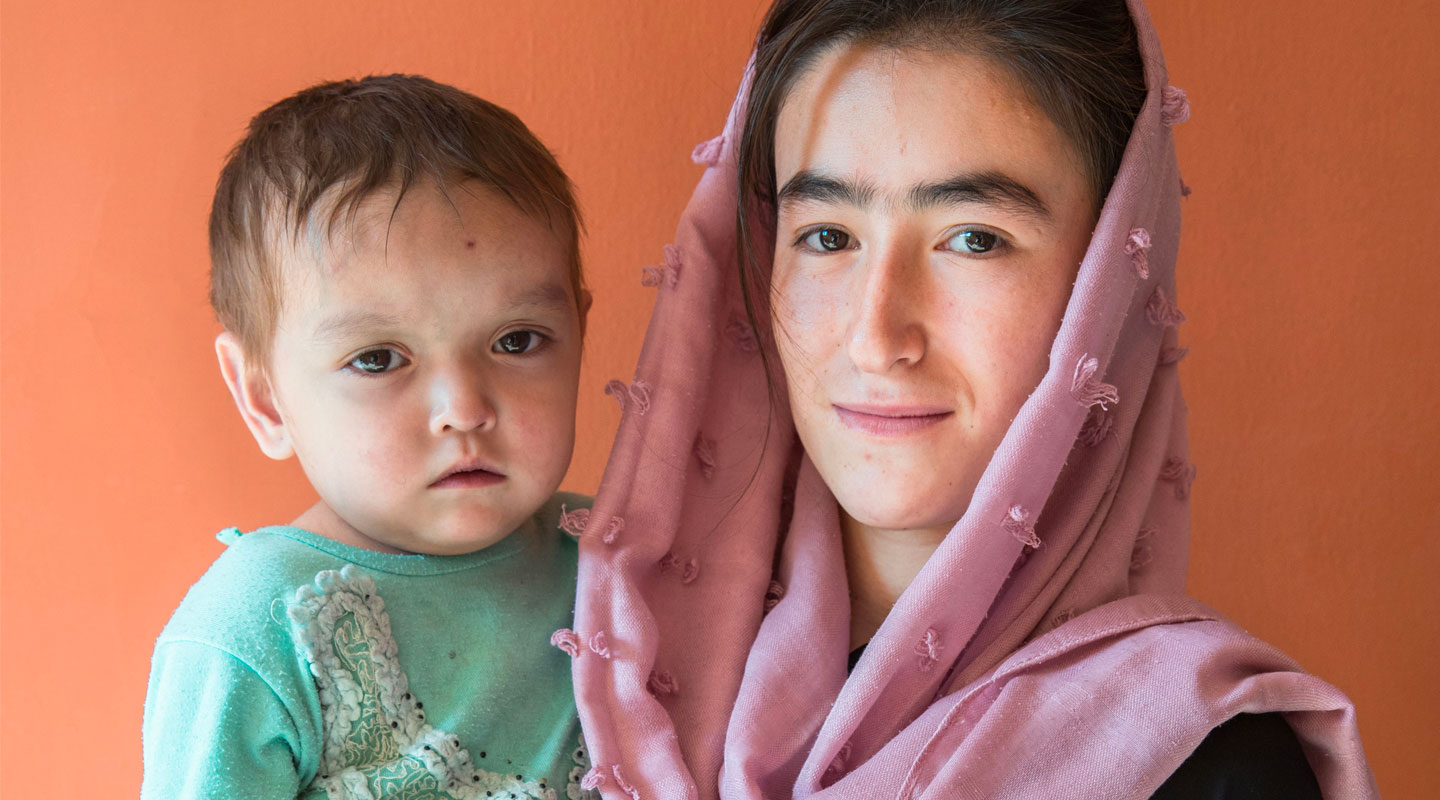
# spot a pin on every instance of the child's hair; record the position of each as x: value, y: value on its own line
x: 329, y: 147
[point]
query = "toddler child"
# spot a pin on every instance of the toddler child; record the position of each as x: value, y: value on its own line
x: 396, y: 266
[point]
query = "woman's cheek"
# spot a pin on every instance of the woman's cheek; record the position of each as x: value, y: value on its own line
x: 1024, y: 343
x: 808, y: 311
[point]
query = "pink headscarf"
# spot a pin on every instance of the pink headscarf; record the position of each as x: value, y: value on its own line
x: 1046, y: 649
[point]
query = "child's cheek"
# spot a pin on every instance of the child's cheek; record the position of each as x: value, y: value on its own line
x: 542, y: 426
x: 380, y: 441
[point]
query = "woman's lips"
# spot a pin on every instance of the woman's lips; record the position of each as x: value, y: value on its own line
x: 891, y: 420
x: 468, y: 479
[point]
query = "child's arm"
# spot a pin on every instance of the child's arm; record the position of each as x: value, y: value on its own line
x: 215, y: 729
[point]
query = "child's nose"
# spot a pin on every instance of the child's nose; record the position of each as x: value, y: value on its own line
x: 460, y: 403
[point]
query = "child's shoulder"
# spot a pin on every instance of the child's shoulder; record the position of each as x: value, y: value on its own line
x: 227, y: 669
x: 238, y: 605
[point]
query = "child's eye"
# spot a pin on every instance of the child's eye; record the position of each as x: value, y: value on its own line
x: 826, y: 240
x: 973, y: 241
x: 518, y: 342
x: 378, y: 361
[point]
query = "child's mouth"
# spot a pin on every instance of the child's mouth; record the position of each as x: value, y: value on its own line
x: 468, y: 479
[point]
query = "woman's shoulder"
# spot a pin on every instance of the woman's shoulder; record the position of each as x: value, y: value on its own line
x: 1249, y: 756
x: 1182, y: 656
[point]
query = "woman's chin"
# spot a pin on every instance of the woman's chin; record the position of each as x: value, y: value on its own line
x: 920, y: 513
x: 899, y: 500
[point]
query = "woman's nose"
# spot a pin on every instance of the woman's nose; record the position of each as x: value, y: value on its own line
x: 460, y: 402
x: 886, y: 329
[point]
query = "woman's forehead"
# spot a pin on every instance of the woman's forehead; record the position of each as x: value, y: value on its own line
x: 896, y: 119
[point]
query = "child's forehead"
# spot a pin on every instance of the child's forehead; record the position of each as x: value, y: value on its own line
x: 371, y: 220
x: 400, y: 234
x: 466, y: 212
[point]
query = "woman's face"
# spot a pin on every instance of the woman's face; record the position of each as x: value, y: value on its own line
x: 931, y: 220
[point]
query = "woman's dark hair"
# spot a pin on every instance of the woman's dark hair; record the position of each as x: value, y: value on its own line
x: 1078, y: 59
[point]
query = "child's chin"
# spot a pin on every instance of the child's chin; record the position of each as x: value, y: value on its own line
x: 457, y: 546
x: 461, y: 539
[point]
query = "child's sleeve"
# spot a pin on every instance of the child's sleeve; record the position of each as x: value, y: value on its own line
x: 215, y: 729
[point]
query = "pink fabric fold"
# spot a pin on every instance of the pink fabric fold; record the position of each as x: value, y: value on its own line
x: 1075, y: 668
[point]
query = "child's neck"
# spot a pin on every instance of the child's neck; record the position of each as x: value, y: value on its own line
x: 322, y: 520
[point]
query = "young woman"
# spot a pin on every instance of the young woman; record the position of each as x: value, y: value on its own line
x: 899, y: 508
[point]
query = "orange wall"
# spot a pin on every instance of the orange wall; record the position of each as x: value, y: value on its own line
x: 1309, y: 282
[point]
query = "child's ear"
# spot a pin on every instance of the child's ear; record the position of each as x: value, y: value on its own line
x: 254, y: 397
x: 586, y: 300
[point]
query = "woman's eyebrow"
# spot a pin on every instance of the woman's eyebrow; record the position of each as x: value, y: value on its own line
x: 810, y: 186
x: 985, y: 188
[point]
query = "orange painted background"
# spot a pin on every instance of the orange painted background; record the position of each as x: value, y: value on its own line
x: 1308, y: 269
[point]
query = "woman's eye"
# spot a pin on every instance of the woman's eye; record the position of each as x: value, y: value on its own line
x: 975, y: 242
x: 519, y: 342
x: 828, y: 240
x: 378, y: 361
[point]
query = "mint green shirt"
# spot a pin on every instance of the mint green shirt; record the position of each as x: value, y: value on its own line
x: 301, y: 667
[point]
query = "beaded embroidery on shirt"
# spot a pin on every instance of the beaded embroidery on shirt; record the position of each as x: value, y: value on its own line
x: 581, y: 756
x: 377, y: 745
